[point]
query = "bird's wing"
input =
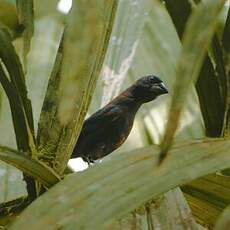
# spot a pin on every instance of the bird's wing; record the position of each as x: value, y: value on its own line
x: 101, y: 119
x: 96, y: 126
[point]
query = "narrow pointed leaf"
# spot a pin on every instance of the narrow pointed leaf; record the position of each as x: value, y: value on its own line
x: 226, y: 34
x: 31, y: 167
x: 190, y: 62
x: 223, y: 223
x: 125, y: 38
x: 9, y: 18
x: 85, y: 42
x: 26, y: 19
x: 17, y: 92
x: 225, y: 40
x: 212, y: 105
x: 207, y: 197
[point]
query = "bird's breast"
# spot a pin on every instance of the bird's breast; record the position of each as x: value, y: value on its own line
x: 120, y: 132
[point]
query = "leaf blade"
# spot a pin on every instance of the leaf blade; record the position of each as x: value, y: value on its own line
x: 17, y: 92
x: 190, y: 62
x: 31, y: 167
x: 86, y: 48
x: 130, y: 178
x: 26, y: 19
x: 223, y: 222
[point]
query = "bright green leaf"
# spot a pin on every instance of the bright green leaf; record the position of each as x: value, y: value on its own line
x: 31, y: 167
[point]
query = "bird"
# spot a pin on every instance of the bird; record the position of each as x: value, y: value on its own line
x: 108, y: 128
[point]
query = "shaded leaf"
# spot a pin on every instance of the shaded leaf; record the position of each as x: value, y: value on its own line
x: 190, y: 62
x: 7, y: 208
x: 182, y: 8
x: 226, y: 34
x: 212, y: 105
x: 17, y: 93
x: 208, y: 196
x: 16, y: 110
x: 225, y: 40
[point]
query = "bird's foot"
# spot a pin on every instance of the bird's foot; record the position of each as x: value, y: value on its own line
x: 88, y: 160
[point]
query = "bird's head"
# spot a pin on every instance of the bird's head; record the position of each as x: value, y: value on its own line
x: 148, y: 88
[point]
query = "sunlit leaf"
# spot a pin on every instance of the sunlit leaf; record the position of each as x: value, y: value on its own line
x: 30, y: 167
x: 223, y: 222
x: 46, y: 39
x: 130, y: 179
x: 124, y: 41
x: 26, y: 19
x: 84, y: 46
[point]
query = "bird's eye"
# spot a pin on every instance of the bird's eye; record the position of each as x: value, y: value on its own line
x: 152, y: 78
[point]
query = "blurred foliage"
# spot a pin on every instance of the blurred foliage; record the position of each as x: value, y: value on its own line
x: 224, y: 220
x: 63, y: 64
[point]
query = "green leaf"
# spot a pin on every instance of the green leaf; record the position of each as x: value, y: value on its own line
x: 223, y: 223
x: 121, y: 184
x: 127, y: 42
x: 15, y: 186
x: 40, y: 61
x: 17, y: 112
x: 207, y: 197
x: 125, y: 38
x: 9, y: 18
x: 212, y: 105
x: 218, y: 57
x: 176, y: 8
x: 26, y: 19
x: 13, y: 83
x: 225, y: 41
x: 49, y: 109
x: 85, y: 42
x: 190, y: 62
x: 31, y: 167
x: 226, y: 34
x: 158, y: 53
x: 16, y: 91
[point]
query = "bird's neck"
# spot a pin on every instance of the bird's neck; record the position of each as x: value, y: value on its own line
x: 126, y: 99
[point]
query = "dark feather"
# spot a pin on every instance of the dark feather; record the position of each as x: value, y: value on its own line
x: 109, y: 127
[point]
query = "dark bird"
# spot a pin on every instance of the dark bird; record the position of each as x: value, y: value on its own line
x: 109, y: 127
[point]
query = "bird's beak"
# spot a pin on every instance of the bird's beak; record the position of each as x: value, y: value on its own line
x: 160, y: 88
